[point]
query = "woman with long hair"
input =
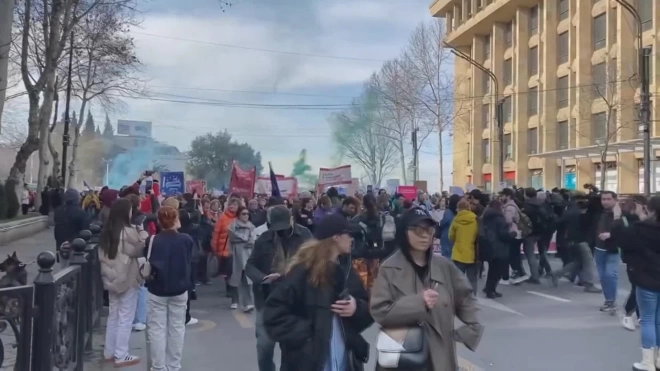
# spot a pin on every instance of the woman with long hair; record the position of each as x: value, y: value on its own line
x: 172, y: 277
x: 494, y: 240
x: 120, y: 246
x: 319, y: 309
x: 418, y: 288
x: 368, y: 247
x: 241, y: 240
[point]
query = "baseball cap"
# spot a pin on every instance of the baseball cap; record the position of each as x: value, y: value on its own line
x: 331, y: 225
x: 416, y: 216
x: 280, y: 218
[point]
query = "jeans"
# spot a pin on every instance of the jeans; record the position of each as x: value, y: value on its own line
x: 167, y: 329
x: 470, y: 270
x: 582, y: 263
x: 529, y: 246
x: 649, y: 309
x: 120, y: 320
x: 608, y: 271
x: 141, y: 310
x: 265, y: 346
x: 514, y: 259
x: 496, y: 269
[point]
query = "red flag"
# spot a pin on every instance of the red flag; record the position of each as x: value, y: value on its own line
x: 242, y: 181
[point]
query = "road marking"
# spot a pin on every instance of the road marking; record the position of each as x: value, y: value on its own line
x: 244, y: 320
x: 465, y: 365
x: 498, y: 306
x: 551, y: 297
x: 203, y: 325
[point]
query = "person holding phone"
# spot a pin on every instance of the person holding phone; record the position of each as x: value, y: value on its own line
x: 320, y: 308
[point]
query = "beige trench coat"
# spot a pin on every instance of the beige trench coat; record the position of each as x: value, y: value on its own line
x: 396, y: 301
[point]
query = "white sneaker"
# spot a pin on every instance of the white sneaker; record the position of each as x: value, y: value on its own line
x: 129, y: 360
x: 234, y: 306
x: 193, y: 321
x: 628, y: 323
x: 139, y: 327
x: 504, y: 282
x: 248, y: 308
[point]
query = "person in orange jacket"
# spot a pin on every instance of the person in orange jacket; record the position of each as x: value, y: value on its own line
x: 221, y: 235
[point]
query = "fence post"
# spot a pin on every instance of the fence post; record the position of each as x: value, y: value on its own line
x: 44, y: 302
x: 78, y: 258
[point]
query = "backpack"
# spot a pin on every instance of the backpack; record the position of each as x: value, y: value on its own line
x: 543, y: 219
x: 389, y: 227
x: 525, y: 225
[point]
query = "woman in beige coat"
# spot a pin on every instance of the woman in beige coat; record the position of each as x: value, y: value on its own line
x: 120, y: 246
x: 414, y: 286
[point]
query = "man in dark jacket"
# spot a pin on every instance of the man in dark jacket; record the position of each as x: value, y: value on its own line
x: 273, y: 249
x: 70, y: 219
x: 606, y: 253
x: 535, y: 210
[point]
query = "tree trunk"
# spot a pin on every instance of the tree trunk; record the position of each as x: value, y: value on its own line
x: 6, y: 20
x: 43, y: 163
x: 603, y: 169
x: 402, y: 155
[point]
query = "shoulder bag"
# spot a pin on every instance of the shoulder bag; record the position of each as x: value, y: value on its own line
x: 145, y: 269
x: 402, y: 348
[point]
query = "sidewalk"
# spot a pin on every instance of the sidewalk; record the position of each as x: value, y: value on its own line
x: 27, y: 250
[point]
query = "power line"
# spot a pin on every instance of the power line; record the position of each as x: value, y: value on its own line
x: 259, y: 49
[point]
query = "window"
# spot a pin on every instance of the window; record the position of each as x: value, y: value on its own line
x: 645, y: 9
x: 508, y: 147
x: 562, y: 92
x: 486, y: 83
x: 507, y: 110
x: 488, y: 186
x: 563, y: 9
x: 600, y: 32
x: 508, y: 34
x: 485, y: 113
x: 599, y: 127
x: 533, y: 61
x: 485, y: 149
x: 486, y: 47
x: 562, y: 135
x: 508, y: 72
x: 562, y: 48
x: 532, y: 141
x: 534, y: 20
x: 533, y: 101
x: 536, y: 178
x: 598, y: 77
x: 611, y: 176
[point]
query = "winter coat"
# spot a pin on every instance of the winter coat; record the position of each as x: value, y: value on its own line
x: 123, y: 272
x: 258, y: 217
x: 221, y: 234
x: 511, y: 213
x: 241, y: 241
x: 298, y: 316
x: 443, y: 228
x: 69, y: 219
x: 640, y: 243
x: 396, y: 301
x: 496, y: 236
x: 320, y: 212
x: 463, y: 232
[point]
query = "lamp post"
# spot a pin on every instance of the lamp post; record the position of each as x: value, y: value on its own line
x: 67, y: 117
x: 499, y: 112
x: 644, y: 96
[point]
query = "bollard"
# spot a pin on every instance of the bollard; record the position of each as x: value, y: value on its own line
x: 78, y: 258
x: 44, y: 303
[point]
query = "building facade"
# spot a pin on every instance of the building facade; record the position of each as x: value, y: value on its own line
x: 568, y: 80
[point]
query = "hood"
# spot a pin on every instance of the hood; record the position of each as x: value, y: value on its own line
x: 109, y: 196
x: 490, y: 214
x: 71, y: 197
x: 534, y: 201
x: 541, y: 196
x: 556, y: 198
x: 465, y: 217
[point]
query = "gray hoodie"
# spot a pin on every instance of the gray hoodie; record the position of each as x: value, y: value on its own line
x: 511, y: 213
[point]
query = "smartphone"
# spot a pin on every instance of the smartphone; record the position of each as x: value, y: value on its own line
x: 344, y: 295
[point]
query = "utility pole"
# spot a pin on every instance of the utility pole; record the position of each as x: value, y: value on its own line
x: 67, y: 117
x: 415, y: 154
x: 499, y: 107
x: 643, y: 55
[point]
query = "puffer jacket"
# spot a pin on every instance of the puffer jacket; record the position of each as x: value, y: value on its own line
x: 221, y: 234
x: 123, y: 272
x: 463, y: 232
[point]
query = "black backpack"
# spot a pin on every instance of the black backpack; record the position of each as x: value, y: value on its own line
x: 542, y: 218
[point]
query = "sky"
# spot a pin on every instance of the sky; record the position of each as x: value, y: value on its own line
x: 284, y: 52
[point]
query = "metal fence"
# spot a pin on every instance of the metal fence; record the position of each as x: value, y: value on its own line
x: 49, y: 325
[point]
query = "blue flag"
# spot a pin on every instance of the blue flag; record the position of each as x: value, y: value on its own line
x: 275, y: 188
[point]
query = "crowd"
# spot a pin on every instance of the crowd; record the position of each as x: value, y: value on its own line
x: 319, y: 269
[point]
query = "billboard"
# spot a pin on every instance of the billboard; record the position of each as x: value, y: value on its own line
x: 134, y: 128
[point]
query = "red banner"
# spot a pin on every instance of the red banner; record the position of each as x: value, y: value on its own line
x: 196, y: 185
x: 242, y: 181
x: 409, y: 192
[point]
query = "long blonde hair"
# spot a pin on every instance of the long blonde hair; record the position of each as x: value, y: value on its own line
x: 319, y: 258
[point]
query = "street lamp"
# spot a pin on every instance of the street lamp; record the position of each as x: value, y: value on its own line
x: 67, y: 119
x: 644, y: 96
x: 107, y: 170
x: 499, y: 108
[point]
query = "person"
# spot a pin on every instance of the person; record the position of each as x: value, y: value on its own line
x: 349, y: 208
x: 494, y: 240
x: 305, y: 215
x: 257, y: 214
x: 190, y: 226
x: 319, y: 308
x: 108, y: 198
x: 512, y: 215
x: 446, y: 245
x: 220, y: 241
x: 273, y: 250
x: 606, y: 253
x: 324, y: 208
x: 138, y: 220
x: 25, y: 199
x: 535, y: 209
x: 463, y: 232
x: 70, y: 219
x: 171, y: 280
x: 120, y: 246
x: 640, y: 242
x: 241, y: 240
x: 549, y: 229
x: 416, y: 287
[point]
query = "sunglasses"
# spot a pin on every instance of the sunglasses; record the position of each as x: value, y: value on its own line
x: 422, y: 230
x: 245, y: 213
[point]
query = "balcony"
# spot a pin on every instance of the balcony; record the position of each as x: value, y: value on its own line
x: 480, y: 21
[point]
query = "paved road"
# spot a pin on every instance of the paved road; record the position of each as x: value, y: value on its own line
x: 533, y: 327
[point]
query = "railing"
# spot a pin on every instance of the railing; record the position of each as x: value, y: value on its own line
x: 49, y: 325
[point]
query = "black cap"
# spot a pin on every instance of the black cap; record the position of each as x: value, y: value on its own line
x: 416, y: 216
x: 508, y: 192
x: 280, y: 218
x: 274, y: 201
x: 331, y: 225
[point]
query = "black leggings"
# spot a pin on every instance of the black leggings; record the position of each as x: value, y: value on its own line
x: 631, y: 303
x: 497, y: 268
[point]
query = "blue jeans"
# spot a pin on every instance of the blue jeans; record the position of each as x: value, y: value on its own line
x: 649, y: 310
x: 141, y: 310
x: 608, y: 271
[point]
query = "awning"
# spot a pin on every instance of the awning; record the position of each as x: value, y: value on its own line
x: 614, y: 148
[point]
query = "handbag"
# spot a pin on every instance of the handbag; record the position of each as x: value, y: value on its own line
x: 145, y: 269
x: 212, y: 265
x: 405, y: 348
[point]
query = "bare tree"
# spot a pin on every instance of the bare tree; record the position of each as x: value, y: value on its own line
x: 6, y: 21
x: 360, y: 139
x: 432, y: 64
x: 105, y: 65
x: 12, y: 135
